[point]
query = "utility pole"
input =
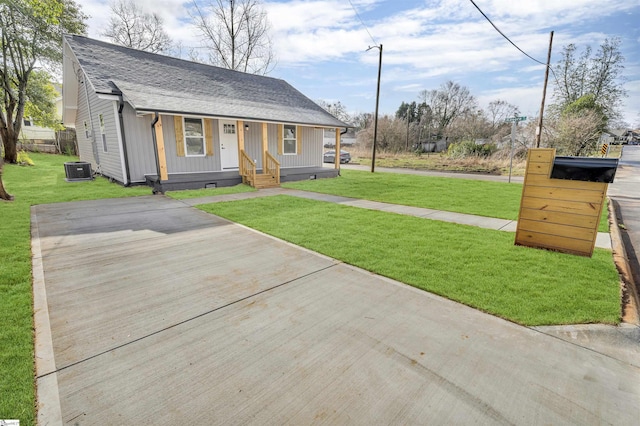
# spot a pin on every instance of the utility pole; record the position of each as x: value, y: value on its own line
x: 544, y: 92
x: 375, y: 119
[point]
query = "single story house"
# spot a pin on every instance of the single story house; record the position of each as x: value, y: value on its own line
x: 144, y: 118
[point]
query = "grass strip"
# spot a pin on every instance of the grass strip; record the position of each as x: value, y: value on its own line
x: 477, y: 197
x: 208, y: 192
x: 478, y: 267
x: 40, y: 184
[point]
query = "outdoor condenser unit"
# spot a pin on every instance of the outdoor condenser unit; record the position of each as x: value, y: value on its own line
x: 77, y: 170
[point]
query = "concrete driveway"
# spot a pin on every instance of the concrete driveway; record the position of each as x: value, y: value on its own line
x: 149, y: 311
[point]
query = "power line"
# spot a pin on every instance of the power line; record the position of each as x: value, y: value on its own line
x: 503, y: 35
x: 362, y: 22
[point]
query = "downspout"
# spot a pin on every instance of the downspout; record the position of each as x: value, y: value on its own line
x: 127, y: 176
x: 155, y: 145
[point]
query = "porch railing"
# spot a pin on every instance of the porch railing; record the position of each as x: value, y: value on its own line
x: 247, y: 168
x: 272, y: 167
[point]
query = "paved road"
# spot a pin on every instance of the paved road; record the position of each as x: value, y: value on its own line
x: 149, y: 311
x: 625, y: 194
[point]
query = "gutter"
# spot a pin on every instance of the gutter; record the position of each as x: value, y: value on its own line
x: 127, y: 176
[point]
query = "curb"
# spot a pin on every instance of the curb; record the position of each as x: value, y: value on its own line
x: 630, y: 304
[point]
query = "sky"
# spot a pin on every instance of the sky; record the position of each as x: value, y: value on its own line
x: 321, y: 46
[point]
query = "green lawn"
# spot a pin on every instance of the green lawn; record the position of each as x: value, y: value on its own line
x: 478, y: 267
x: 40, y: 184
x: 482, y: 198
x: 528, y: 294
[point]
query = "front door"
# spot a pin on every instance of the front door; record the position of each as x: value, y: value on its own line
x: 228, y: 145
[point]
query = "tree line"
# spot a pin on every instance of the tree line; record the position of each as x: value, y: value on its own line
x: 587, y: 96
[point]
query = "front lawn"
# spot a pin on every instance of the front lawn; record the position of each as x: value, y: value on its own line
x: 477, y: 197
x: 39, y: 184
x: 478, y: 267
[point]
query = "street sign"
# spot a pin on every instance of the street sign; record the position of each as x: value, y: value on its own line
x: 516, y: 119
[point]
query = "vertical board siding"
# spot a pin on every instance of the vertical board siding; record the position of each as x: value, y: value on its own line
x: 176, y: 164
x: 311, y: 143
x: 108, y: 163
x: 85, y: 145
x: 139, y: 142
x: 253, y: 142
x: 558, y: 214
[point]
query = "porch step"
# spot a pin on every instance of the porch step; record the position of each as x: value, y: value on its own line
x: 265, y: 181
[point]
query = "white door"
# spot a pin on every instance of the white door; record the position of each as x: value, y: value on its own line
x: 228, y: 145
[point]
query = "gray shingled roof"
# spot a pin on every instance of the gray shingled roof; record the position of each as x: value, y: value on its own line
x: 151, y: 82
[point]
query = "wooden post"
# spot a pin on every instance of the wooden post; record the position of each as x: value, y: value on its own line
x: 337, y: 159
x: 162, y: 155
x: 265, y: 146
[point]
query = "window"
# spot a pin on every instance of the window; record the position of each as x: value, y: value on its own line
x: 102, y: 133
x: 289, y: 140
x: 194, y: 136
x: 27, y: 122
x: 229, y: 129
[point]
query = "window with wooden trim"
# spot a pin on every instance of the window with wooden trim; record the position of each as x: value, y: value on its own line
x: 194, y: 137
x: 289, y: 140
x: 103, y: 134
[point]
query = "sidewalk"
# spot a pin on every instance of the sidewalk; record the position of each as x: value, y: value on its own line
x: 602, y: 241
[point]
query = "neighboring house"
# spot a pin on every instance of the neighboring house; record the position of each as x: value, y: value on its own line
x: 346, y: 139
x: 620, y: 136
x: 44, y: 139
x: 174, y: 124
x: 30, y: 133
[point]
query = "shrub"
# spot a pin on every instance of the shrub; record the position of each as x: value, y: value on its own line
x: 470, y: 149
x: 24, y: 159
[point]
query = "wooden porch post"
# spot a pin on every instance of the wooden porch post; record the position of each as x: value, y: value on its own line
x: 162, y: 156
x: 337, y: 159
x: 265, y: 146
x: 240, y: 132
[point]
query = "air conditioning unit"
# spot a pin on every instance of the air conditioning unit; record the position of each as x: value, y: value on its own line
x: 77, y: 170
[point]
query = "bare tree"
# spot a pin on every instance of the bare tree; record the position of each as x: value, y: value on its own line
x: 235, y: 34
x: 447, y: 103
x: 337, y: 109
x: 599, y: 75
x: 130, y: 26
x: 498, y: 111
x: 391, y: 135
x: 576, y: 133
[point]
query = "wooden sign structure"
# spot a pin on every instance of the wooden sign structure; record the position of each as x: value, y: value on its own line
x: 558, y: 214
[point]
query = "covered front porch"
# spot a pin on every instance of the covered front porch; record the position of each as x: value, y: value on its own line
x: 256, y: 162
x: 177, y: 182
